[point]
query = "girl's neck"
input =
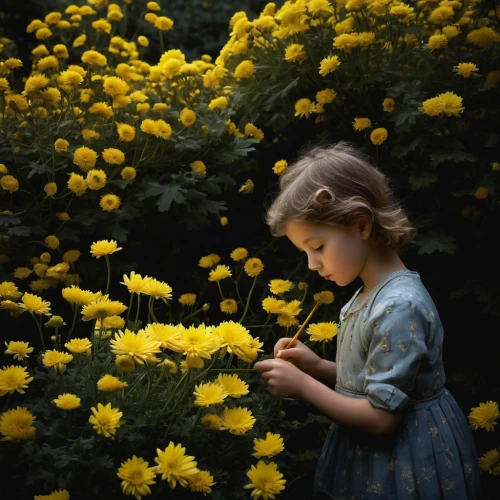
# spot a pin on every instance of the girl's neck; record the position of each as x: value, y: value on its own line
x: 380, y: 262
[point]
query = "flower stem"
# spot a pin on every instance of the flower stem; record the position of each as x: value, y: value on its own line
x: 230, y: 360
x: 39, y: 326
x: 248, y: 300
x: 138, y: 309
x: 109, y: 274
x: 75, y: 312
x: 220, y: 290
x: 150, y: 308
x: 130, y: 306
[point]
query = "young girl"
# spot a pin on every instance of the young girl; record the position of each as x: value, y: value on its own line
x: 396, y: 432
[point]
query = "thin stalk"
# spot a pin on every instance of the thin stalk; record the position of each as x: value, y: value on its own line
x: 39, y: 326
x: 248, y: 300
x: 138, y: 309
x: 108, y: 265
x: 220, y: 290
x: 150, y: 308
x: 130, y: 305
x: 75, y: 312
x: 230, y: 360
x: 136, y: 383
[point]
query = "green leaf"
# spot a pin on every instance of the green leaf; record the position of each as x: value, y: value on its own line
x: 456, y: 156
x: 422, y: 180
x: 436, y: 242
x: 9, y: 220
x: 19, y: 231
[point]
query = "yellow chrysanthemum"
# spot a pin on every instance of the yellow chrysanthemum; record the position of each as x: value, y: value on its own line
x: 169, y: 336
x: 16, y: 425
x: 210, y: 393
x: 286, y: 320
x: 96, y: 179
x: 466, y: 69
x: 239, y: 254
x: 452, y: 104
x: 280, y: 286
x: 18, y: 349
x: 135, y: 283
x: 85, y: 158
x: 137, y: 345
x: 9, y: 183
x: 35, y: 305
x: 218, y: 103
x: 326, y: 96
x: 158, y: 289
x: 101, y: 308
x: 202, y: 482
x: 187, y: 117
x: 187, y: 299
x: 490, y: 462
x: 378, y: 136
x: 77, y: 184
x: 115, y: 86
x: 325, y: 297
x: 14, y: 379
x: 136, y: 476
x: 61, y: 145
x: 75, y: 295
x: 265, y: 480
x: 233, y: 385
x: 484, y: 416
x: 253, y: 267
x: 268, y: 447
x: 175, y: 466
x: 238, y: 420
x: 483, y: 37
x: 304, y: 107
x: 9, y: 291
x: 219, y: 273
x: 295, y: 53
x: 67, y: 401
x: 104, y: 247
x: 245, y: 69
x: 361, y: 124
x: 113, y: 156
x: 320, y: 332
x: 126, y: 132
x: 248, y: 186
x: 110, y: 202
x: 79, y: 346
x: 388, y: 105
x: 272, y: 305
x: 94, y: 57
x: 109, y: 383
x: 56, y: 358
x: 198, y: 166
x: 229, y: 306
x: 437, y: 42
x: 105, y: 419
x: 128, y: 173
x: 212, y: 421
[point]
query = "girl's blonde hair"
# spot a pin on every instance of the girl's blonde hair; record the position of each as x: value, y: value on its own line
x: 337, y: 185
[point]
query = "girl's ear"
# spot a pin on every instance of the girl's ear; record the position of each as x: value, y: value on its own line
x: 365, y: 228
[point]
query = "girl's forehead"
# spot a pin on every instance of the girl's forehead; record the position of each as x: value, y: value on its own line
x: 301, y: 230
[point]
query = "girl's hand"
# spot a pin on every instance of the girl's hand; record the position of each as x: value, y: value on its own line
x: 300, y: 355
x: 282, y: 378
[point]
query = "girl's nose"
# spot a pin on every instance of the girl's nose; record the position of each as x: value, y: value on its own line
x: 313, y: 264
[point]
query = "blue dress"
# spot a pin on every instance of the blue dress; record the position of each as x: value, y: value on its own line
x: 390, y: 351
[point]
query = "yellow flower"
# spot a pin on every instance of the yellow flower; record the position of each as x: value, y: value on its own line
x: 75, y: 295
x: 18, y: 349
x: 16, y: 425
x: 388, y: 105
x: 125, y: 363
x: 208, y: 394
x: 101, y: 109
x: 56, y: 358
x: 85, y: 158
x: 126, y: 132
x: 233, y: 385
x: 79, y: 346
x: 438, y: 42
x: 326, y: 96
x: 104, y: 247
x: 245, y: 69
x: 265, y: 480
x: 237, y: 421
x: 483, y: 37
x: 90, y: 135
x: 198, y: 342
x: 163, y: 130
x: 137, y: 345
x: 272, y: 305
x: 61, y: 145
x: 493, y: 77
x: 295, y: 53
x: 187, y: 299
x: 229, y: 306
x: 94, y: 57
x: 14, y: 379
x: 113, y: 156
x: 218, y: 103
x: 286, y: 320
x: 55, y: 322
x: 115, y: 86
x: 169, y: 336
x: 322, y: 331
x: 219, y: 273
x: 96, y: 179
x: 67, y: 401
x: 164, y: 23
x: 71, y: 256
x: 466, y: 69
x: 110, y: 202
x: 450, y: 32
x: 135, y: 283
x: 361, y: 124
x: 9, y: 183
x: 484, y: 416
x: 35, y: 83
x: 105, y: 419
x: 128, y: 173
x: 35, y: 305
x: 378, y: 136
x: 304, y: 107
x: 212, y: 421
x: 346, y: 41
x: 239, y: 254
x: 135, y: 474
x: 201, y: 482
x: 325, y: 297
x: 490, y: 462
x: 158, y: 289
x: 253, y: 267
x: 175, y: 466
x: 108, y: 383
x: 153, y: 6
x: 52, y: 241
x: 101, y: 308
x: 452, y: 104
x: 198, y: 166
x: 224, y: 221
x: 247, y: 187
x: 268, y: 447
x: 441, y: 15
x: 187, y: 117
x: 79, y: 41
x: 280, y: 167
x: 280, y: 286
x: 22, y: 272
x: 252, y: 131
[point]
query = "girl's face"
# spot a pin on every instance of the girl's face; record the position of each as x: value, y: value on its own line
x: 337, y: 254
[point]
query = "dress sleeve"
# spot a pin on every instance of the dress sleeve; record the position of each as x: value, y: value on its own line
x: 396, y: 334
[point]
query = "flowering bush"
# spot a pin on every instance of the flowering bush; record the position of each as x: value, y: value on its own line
x: 180, y: 395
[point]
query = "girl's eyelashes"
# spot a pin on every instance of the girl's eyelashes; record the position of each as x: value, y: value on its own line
x: 319, y: 248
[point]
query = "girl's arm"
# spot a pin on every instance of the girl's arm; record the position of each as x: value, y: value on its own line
x: 351, y: 412
x: 325, y: 370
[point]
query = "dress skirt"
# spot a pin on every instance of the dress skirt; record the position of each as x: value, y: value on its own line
x: 430, y: 456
